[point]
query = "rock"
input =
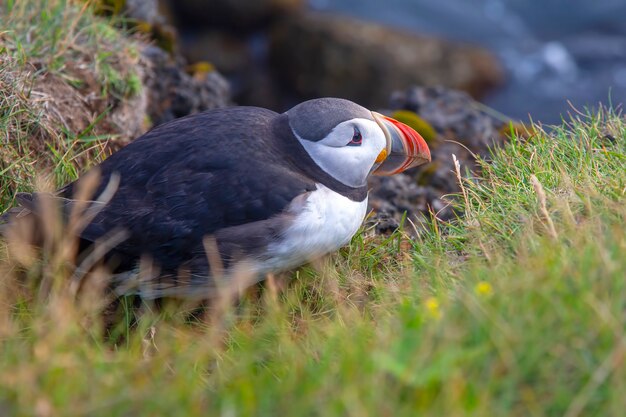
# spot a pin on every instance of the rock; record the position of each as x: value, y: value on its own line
x: 143, y: 10
x: 232, y: 35
x: 229, y: 53
x: 453, y: 114
x: 242, y: 60
x: 319, y: 54
x: 240, y: 15
x: 173, y: 89
x: 462, y: 128
x: 174, y: 93
x: 150, y: 18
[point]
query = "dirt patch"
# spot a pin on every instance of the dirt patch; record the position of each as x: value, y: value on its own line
x: 76, y: 102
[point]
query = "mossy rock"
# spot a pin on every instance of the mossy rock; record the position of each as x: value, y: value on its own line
x: 109, y: 7
x: 200, y: 69
x: 163, y: 34
x: 427, y: 172
x: 422, y: 127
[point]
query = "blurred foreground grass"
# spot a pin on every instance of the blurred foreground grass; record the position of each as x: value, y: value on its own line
x: 518, y: 309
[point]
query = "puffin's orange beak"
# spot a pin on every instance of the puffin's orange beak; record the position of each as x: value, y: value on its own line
x: 405, y: 147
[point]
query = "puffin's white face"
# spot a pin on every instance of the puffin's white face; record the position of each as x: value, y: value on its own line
x: 350, y: 151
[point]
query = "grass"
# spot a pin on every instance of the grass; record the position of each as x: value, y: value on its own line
x: 66, y: 76
x: 60, y: 36
x: 518, y: 309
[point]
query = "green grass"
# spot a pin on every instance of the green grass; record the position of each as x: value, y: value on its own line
x: 63, y: 74
x: 60, y: 36
x: 518, y: 309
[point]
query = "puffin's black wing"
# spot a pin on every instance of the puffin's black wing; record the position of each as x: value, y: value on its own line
x: 194, y: 177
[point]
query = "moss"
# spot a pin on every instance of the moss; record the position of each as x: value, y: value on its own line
x: 134, y: 84
x: 109, y: 7
x: 200, y: 69
x: 420, y: 125
x: 163, y: 35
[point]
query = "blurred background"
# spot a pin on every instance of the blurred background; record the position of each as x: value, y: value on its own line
x: 520, y: 57
x: 551, y: 50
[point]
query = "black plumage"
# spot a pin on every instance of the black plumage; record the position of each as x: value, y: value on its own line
x: 228, y: 173
x: 194, y: 177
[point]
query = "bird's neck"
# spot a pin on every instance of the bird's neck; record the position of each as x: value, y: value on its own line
x: 300, y: 161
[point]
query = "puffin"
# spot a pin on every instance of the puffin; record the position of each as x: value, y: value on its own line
x: 232, y: 192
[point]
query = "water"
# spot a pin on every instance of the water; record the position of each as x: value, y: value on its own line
x: 558, y: 54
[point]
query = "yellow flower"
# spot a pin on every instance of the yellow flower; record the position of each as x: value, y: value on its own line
x: 483, y: 289
x: 432, y: 307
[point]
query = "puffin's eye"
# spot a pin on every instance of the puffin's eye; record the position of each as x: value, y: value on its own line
x: 357, y: 139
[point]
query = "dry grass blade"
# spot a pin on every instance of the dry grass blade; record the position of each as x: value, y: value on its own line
x: 541, y: 196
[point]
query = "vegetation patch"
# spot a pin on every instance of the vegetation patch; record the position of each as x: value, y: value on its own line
x: 70, y: 90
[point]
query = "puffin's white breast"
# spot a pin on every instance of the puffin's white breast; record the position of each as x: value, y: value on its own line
x: 327, y: 222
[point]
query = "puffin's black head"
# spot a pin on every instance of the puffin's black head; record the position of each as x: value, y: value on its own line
x: 349, y: 142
